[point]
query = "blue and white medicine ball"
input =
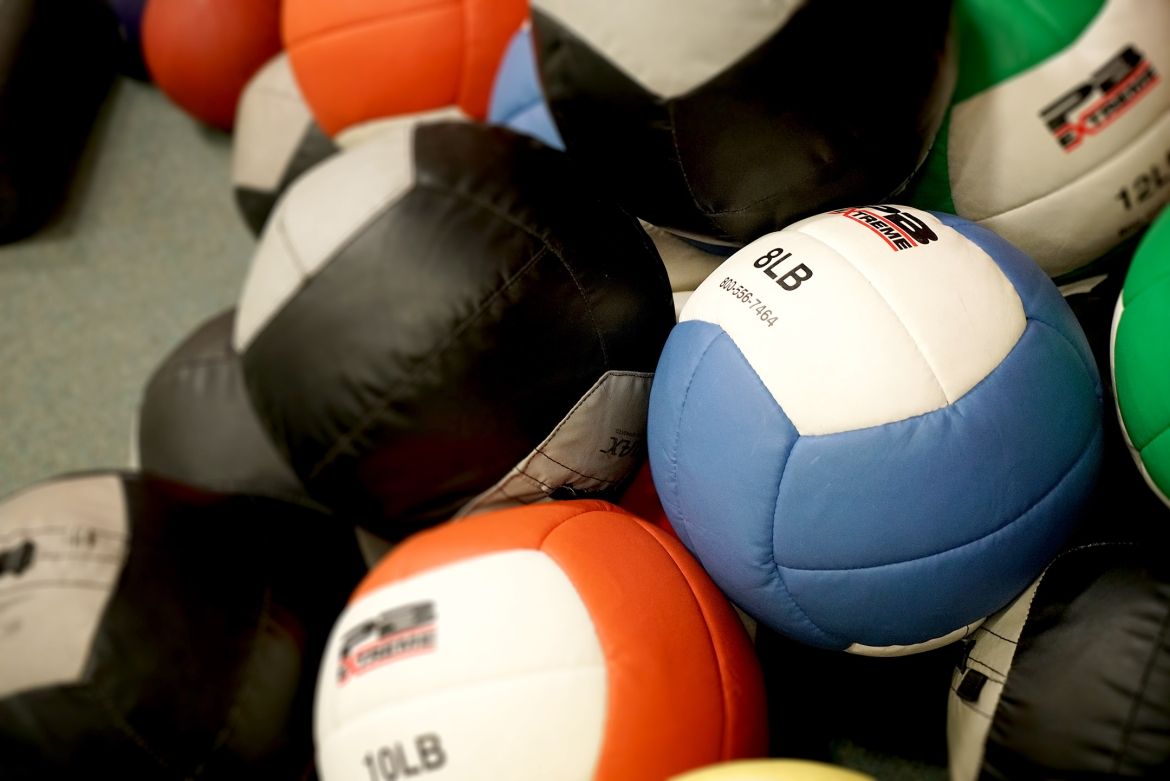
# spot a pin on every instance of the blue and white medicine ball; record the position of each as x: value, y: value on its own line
x: 875, y: 427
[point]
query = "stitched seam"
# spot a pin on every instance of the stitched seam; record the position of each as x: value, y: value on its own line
x: 1035, y: 592
x: 485, y: 205
x: 969, y: 705
x: 1088, y: 546
x: 574, y: 471
x: 1001, y: 637
x: 588, y: 306
x: 1140, y: 449
x: 746, y: 207
x: 497, y: 490
x: 511, y: 497
x: 1140, y: 699
x: 366, y: 23
x: 367, y: 417
x: 1084, y: 454
x: 673, y: 477
x: 594, y: 389
x: 124, y: 727
x: 563, y: 521
x: 494, y: 210
x: 80, y: 556
x: 364, y: 420
x: 225, y: 732
x: 893, y: 311
x: 726, y: 739
x: 577, y: 406
x: 1090, y: 373
x: 772, y: 550
x: 995, y: 672
x: 43, y: 530
x: 1089, y: 365
x: 670, y: 107
x: 293, y: 255
x: 361, y: 226
x: 1156, y: 281
x: 534, y: 479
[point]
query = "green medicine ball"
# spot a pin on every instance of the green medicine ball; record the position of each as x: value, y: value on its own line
x: 1058, y: 137
x: 1141, y: 356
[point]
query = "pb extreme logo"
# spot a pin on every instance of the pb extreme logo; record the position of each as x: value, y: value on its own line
x: 901, y: 230
x: 395, y: 634
x: 1092, y: 106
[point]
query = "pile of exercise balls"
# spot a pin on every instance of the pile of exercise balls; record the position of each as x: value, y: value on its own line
x: 629, y: 392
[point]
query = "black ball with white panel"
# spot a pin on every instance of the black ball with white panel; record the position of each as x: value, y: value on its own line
x: 152, y: 630
x: 724, y: 123
x: 1072, y: 679
x: 448, y: 318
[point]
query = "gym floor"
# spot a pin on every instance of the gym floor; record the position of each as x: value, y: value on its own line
x: 147, y: 246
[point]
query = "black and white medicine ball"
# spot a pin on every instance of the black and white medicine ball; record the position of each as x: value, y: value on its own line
x: 196, y: 424
x: 1072, y: 679
x: 730, y: 120
x: 154, y: 631
x: 449, y: 316
x: 275, y: 140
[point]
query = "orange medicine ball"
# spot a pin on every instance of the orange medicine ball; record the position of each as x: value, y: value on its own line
x: 556, y: 640
x: 201, y: 53
x: 361, y: 60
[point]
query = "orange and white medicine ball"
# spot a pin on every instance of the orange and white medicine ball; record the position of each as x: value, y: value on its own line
x: 565, y: 640
x: 363, y: 60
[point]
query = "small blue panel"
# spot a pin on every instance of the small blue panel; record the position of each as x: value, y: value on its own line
x: 517, y: 100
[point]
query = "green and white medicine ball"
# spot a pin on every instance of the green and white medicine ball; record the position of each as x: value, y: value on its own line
x: 1058, y: 136
x: 1140, y: 356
